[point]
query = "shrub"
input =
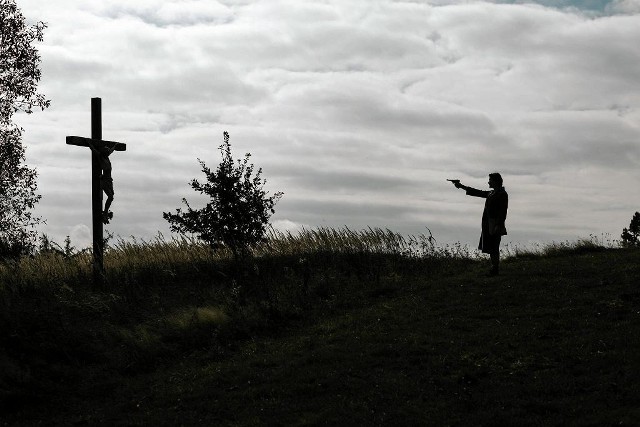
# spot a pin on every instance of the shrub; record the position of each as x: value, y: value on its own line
x: 631, y: 236
x: 238, y: 213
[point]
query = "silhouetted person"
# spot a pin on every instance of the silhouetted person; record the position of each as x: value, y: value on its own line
x: 106, y: 181
x: 493, y: 218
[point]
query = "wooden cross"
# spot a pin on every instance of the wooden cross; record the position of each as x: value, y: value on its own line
x: 96, y: 142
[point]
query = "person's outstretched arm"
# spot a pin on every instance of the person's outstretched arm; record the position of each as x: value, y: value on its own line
x: 110, y: 150
x: 470, y: 190
x: 475, y: 192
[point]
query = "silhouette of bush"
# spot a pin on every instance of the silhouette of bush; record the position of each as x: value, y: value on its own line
x: 238, y: 213
x: 631, y: 236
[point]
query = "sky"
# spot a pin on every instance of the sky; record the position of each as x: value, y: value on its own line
x: 358, y: 110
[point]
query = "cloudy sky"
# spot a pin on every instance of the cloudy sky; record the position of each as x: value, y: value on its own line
x: 358, y: 110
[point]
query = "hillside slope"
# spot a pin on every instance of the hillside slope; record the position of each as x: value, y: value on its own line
x: 552, y: 341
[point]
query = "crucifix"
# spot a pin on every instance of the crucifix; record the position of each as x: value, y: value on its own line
x: 100, y: 181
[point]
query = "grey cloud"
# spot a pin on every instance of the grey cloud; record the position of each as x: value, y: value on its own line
x: 303, y: 36
x: 623, y: 6
x: 580, y: 139
x: 548, y: 49
x: 344, y: 181
x: 171, y: 13
x: 68, y: 68
x: 202, y: 87
x: 347, y: 212
x: 366, y: 102
x: 584, y: 5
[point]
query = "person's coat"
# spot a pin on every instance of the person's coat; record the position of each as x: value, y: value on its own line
x: 493, y: 216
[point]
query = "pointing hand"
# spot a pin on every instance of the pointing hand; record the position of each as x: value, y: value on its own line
x: 455, y: 182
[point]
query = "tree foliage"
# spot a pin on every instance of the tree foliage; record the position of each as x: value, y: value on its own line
x: 19, y: 63
x: 239, y: 209
x: 631, y: 236
x: 17, y: 197
x: 19, y: 77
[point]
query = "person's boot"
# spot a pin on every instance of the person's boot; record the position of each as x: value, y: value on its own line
x: 495, y: 264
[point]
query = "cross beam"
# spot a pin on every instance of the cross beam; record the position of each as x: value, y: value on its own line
x: 96, y: 190
x: 87, y: 142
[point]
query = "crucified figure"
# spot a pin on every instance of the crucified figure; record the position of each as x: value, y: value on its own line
x: 106, y: 181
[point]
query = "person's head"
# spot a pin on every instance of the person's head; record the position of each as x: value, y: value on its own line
x: 495, y: 180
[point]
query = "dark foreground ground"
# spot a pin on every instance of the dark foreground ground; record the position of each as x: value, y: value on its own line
x: 552, y: 341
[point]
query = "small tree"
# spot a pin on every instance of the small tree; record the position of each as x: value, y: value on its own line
x: 631, y: 236
x: 238, y: 213
x: 19, y: 77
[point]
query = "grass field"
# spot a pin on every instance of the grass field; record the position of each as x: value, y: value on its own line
x: 328, y: 327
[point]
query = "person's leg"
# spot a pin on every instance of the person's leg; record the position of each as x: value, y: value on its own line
x: 105, y: 213
x: 495, y: 262
x: 107, y: 187
x: 495, y: 256
x: 107, y: 204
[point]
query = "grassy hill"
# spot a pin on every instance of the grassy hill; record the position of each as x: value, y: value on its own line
x: 361, y: 329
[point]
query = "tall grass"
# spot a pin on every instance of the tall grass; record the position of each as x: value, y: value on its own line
x: 583, y: 245
x: 135, y: 262
x: 369, y: 241
x: 161, y: 260
x: 345, y: 240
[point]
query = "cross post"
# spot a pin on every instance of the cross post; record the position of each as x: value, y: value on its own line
x: 95, y: 143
